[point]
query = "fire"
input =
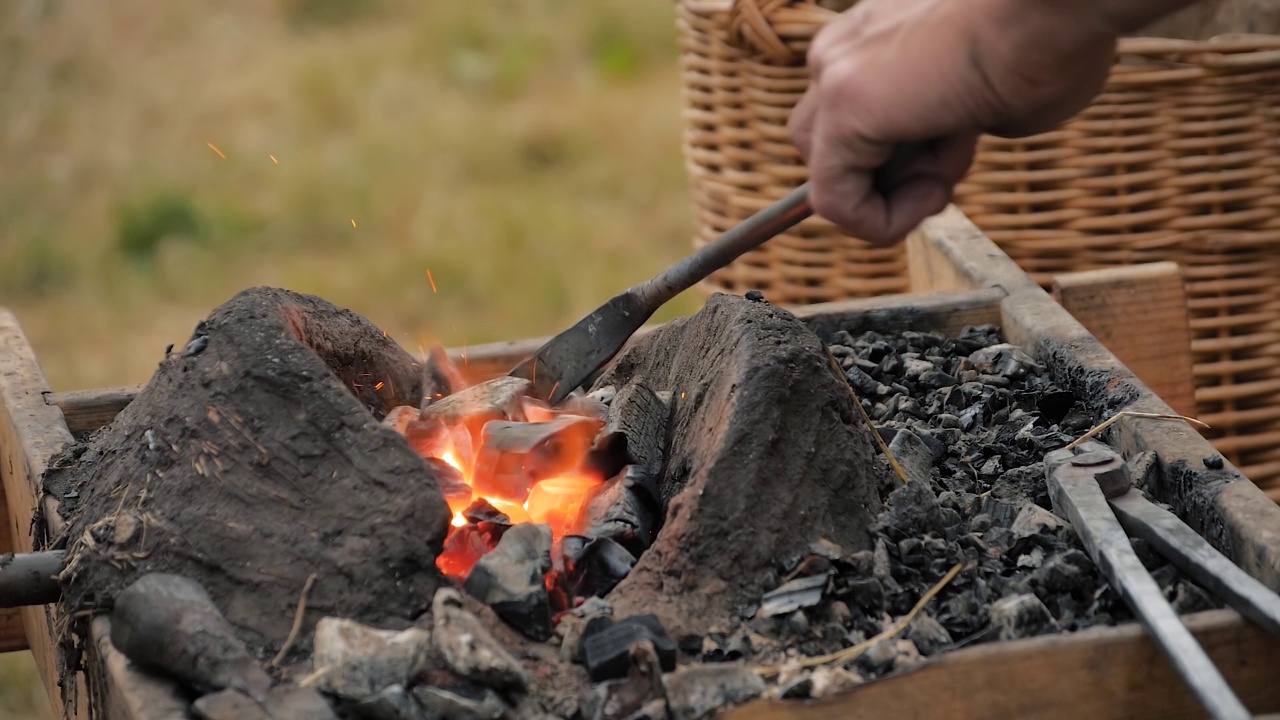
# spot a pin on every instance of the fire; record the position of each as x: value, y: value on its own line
x: 557, y: 495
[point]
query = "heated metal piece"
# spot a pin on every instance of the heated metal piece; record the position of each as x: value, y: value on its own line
x: 1073, y: 480
x: 568, y: 359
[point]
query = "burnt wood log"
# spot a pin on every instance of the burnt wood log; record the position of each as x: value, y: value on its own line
x: 767, y: 455
x: 253, y: 459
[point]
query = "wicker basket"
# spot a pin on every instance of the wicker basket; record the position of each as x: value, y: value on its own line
x: 1179, y: 159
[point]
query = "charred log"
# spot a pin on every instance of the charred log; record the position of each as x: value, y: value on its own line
x: 254, y: 459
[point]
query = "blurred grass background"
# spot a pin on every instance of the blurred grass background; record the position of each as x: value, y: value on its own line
x: 158, y: 157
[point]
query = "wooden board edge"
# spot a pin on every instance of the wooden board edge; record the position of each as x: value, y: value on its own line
x: 1101, y: 673
x: 31, y: 432
x: 949, y: 252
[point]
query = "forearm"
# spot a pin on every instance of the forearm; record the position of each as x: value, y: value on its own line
x: 1126, y: 16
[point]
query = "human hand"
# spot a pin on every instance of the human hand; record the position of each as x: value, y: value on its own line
x: 937, y: 73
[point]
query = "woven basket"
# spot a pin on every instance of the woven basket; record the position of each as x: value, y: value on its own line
x: 1178, y: 159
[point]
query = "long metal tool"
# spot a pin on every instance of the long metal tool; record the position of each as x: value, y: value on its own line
x: 1074, y: 485
x: 568, y: 359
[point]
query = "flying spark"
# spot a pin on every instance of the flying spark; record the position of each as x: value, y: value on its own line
x: 353, y: 222
x: 378, y: 386
x: 273, y: 159
x: 215, y: 149
x: 431, y: 280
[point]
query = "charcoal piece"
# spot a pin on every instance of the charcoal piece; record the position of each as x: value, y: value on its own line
x: 962, y: 615
x: 913, y: 511
x: 283, y: 702
x: 913, y: 455
x: 359, y: 661
x: 1188, y: 598
x: 801, y: 593
x: 635, y: 430
x: 474, y: 406
x: 1071, y: 573
x: 514, y: 456
x: 1022, y: 616
x: 627, y: 510
x: 1055, y: 405
x: 697, y: 691
x: 510, y: 579
x: 799, y: 688
x: 879, y: 658
x: 468, y: 648
x: 168, y: 623
x: 863, y: 383
x: 1004, y: 360
x: 928, y: 634
x: 594, y: 566
x: 458, y: 703
x: 1033, y: 519
x: 273, y: 466
x: 866, y: 592
x: 391, y: 703
x: 606, y: 645
x: 638, y: 690
x: 453, y: 486
x: 482, y: 511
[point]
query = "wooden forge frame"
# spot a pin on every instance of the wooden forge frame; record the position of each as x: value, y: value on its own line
x: 958, y: 277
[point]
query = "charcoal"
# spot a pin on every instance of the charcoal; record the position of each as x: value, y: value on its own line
x: 928, y: 634
x: 510, y: 579
x: 800, y: 593
x: 866, y: 593
x: 481, y: 511
x: 1033, y: 519
x: 594, y: 566
x: 700, y: 691
x: 452, y: 485
x: 913, y: 455
x: 635, y: 429
x: 913, y: 510
x: 392, y: 703
x: 625, y: 698
x: 468, y: 649
x: 627, y: 510
x: 283, y: 702
x: 457, y: 704
x: 1022, y: 616
x: 359, y: 661
x: 606, y: 645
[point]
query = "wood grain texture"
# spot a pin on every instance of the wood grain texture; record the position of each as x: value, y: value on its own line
x: 1100, y: 674
x: 31, y: 431
x: 1140, y: 314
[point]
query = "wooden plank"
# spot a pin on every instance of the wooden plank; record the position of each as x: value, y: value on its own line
x: 1140, y: 314
x: 948, y: 252
x: 88, y: 410
x: 31, y: 431
x: 12, y: 636
x: 1101, y: 674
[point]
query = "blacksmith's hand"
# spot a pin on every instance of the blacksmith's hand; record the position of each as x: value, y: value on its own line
x: 941, y: 72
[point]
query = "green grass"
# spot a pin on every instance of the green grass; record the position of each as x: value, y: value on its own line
x: 527, y: 152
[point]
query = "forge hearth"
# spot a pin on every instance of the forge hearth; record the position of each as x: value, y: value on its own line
x: 291, y: 445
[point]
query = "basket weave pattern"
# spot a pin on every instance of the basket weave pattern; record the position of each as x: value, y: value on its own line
x: 1178, y: 159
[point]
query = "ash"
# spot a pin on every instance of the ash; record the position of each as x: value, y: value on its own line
x: 969, y: 420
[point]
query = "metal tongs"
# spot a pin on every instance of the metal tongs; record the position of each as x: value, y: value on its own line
x: 1090, y: 486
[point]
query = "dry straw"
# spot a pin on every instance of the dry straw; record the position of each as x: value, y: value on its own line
x: 1179, y: 159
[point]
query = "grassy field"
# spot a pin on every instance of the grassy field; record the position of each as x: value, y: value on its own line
x: 158, y: 157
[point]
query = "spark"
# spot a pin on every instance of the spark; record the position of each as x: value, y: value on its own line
x: 215, y: 149
x: 431, y: 279
x: 379, y: 385
x: 353, y: 222
x: 273, y: 159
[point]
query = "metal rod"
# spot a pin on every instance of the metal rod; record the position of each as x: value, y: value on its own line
x: 28, y: 578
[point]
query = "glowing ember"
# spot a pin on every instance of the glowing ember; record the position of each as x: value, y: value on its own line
x: 548, y: 447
